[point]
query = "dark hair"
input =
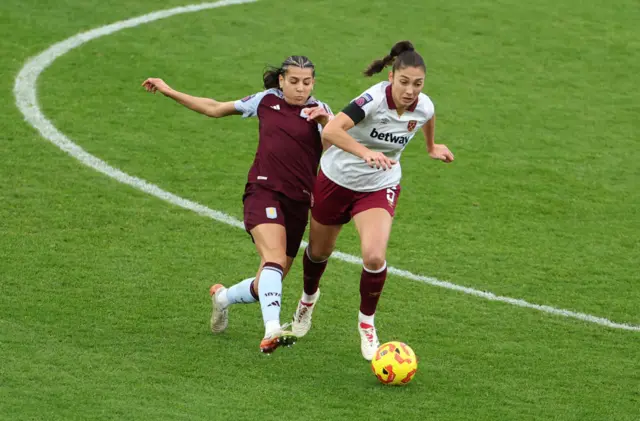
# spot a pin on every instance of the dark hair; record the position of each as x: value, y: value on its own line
x: 402, y: 55
x: 270, y: 76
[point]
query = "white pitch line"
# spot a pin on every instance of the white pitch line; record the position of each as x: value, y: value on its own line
x: 26, y: 100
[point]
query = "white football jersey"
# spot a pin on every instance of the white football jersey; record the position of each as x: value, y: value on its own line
x: 381, y: 130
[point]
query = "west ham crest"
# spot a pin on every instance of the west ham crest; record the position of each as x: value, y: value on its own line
x: 412, y: 125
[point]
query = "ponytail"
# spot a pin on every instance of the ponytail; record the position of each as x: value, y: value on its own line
x: 378, y: 65
x: 271, y: 77
x: 403, y: 50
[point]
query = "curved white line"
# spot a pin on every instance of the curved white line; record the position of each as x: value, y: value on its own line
x: 26, y: 100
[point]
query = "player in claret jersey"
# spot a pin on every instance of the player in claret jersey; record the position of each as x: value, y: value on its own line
x: 278, y: 191
x: 359, y: 179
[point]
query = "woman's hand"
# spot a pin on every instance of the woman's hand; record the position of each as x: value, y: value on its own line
x: 378, y: 160
x: 441, y: 152
x: 319, y: 114
x: 154, y: 84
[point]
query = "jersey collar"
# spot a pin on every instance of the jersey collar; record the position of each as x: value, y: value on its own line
x: 392, y: 105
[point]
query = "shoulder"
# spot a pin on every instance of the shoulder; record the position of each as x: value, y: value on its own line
x: 277, y: 93
x: 250, y: 104
x: 258, y: 96
x: 273, y: 94
x: 375, y: 93
x: 268, y: 98
x: 372, y: 97
x: 379, y: 89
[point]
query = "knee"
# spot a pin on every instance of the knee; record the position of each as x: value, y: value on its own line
x: 373, y: 259
x: 279, y: 260
x: 271, y: 260
x: 276, y: 256
x: 317, y: 253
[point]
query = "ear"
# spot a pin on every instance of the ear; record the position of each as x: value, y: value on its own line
x: 281, y: 81
x: 391, y: 76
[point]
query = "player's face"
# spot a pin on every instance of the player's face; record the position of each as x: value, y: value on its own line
x: 296, y: 85
x: 407, y: 84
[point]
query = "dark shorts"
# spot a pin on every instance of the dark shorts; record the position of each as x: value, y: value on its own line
x: 336, y: 205
x: 265, y: 206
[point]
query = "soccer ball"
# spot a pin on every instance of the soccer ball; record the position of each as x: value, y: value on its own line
x: 394, y: 363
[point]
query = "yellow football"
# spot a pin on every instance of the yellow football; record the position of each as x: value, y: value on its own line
x: 394, y: 363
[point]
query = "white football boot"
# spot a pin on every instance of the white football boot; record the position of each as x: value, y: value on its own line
x: 302, y: 317
x: 369, y: 343
x: 219, y: 314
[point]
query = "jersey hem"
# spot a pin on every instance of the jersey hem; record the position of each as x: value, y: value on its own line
x: 344, y: 185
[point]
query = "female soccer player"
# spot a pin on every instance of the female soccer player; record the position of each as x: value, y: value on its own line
x: 359, y: 178
x: 278, y: 191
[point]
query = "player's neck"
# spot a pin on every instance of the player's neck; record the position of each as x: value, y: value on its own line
x: 291, y: 102
x: 400, y: 111
x: 399, y: 108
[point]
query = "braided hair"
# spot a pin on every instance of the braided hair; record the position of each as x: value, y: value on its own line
x: 271, y: 74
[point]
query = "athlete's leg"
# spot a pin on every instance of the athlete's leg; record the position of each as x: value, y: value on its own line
x: 374, y: 227
x: 322, y: 241
x: 244, y: 292
x: 270, y: 242
x: 264, y: 220
x: 330, y: 211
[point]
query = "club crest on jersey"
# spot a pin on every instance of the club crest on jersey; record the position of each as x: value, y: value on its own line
x: 247, y: 98
x: 364, y: 99
x: 412, y: 125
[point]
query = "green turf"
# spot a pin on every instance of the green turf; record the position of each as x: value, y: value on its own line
x: 103, y: 300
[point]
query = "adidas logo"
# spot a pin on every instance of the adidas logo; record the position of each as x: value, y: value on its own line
x: 275, y: 303
x: 276, y: 107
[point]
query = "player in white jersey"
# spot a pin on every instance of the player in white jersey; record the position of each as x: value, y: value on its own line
x: 360, y: 178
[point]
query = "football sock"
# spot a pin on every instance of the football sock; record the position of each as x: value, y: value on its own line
x: 270, y: 292
x: 363, y: 318
x: 371, y: 284
x: 309, y: 299
x: 312, y: 272
x: 240, y: 293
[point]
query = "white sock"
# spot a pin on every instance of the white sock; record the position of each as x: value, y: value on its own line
x: 307, y: 299
x: 363, y: 318
x: 270, y: 327
x: 239, y: 293
x: 270, y: 292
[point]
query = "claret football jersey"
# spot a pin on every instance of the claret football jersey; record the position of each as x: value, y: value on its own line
x: 289, y: 146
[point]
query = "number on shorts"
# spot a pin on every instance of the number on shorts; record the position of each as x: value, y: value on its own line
x: 391, y: 194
